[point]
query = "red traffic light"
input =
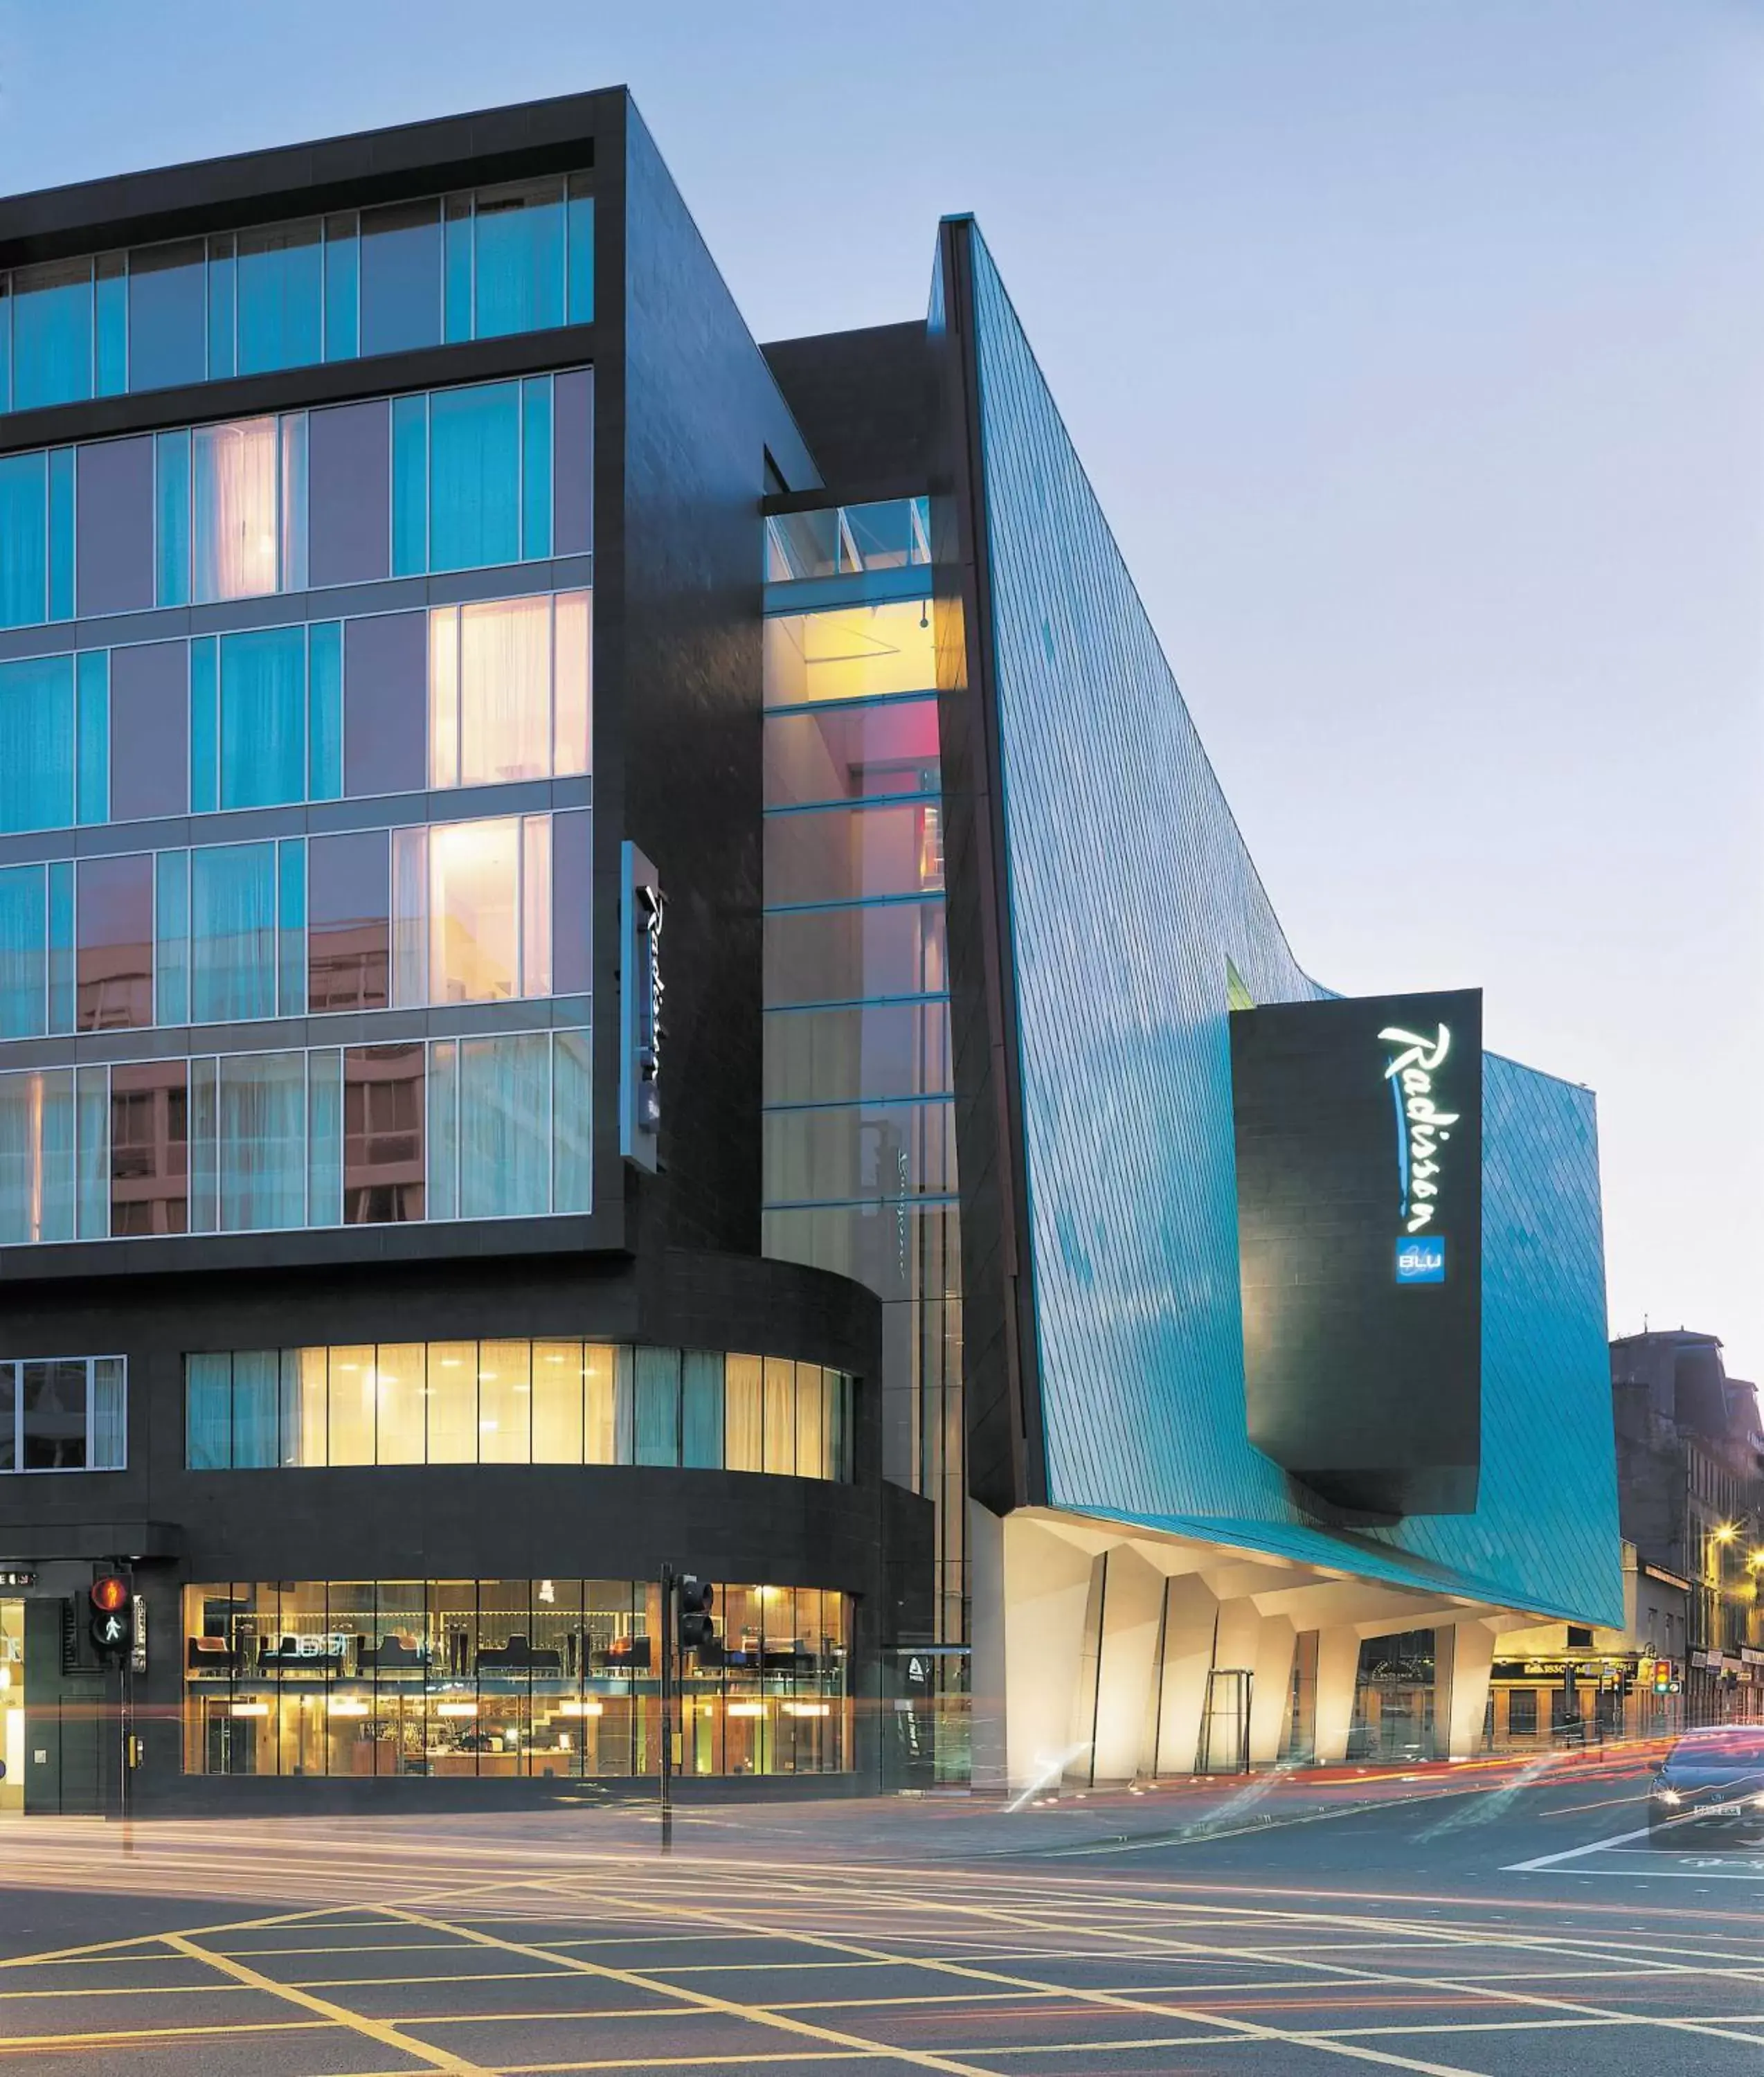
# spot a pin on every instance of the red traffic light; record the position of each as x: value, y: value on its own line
x: 109, y: 1595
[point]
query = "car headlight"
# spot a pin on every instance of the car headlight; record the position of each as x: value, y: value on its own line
x: 1757, y: 1802
x: 1669, y: 1795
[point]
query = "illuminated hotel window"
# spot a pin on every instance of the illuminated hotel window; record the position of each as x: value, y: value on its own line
x: 507, y: 1678
x: 516, y: 1402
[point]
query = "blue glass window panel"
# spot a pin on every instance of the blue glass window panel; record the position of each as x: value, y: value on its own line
x: 205, y: 726
x: 581, y: 252
x: 260, y: 1140
x: 504, y: 1127
x: 536, y: 468
x: 172, y: 936
x: 401, y: 277
x: 62, y: 973
x: 51, y: 333
x: 257, y: 1410
x: 324, y: 710
x: 324, y: 1153
x: 24, y: 952
x: 518, y: 273
x: 208, y: 1413
x: 232, y: 933
x: 92, y: 1102
x: 573, y: 1094
x: 291, y: 925
x: 444, y: 1129
x: 93, y: 721
x: 342, y: 287
x: 5, y: 342
x: 223, y: 301
x: 657, y: 1423
x: 61, y: 533
x: 112, y: 370
x: 409, y: 485
x: 262, y: 717
x: 24, y: 540
x: 702, y: 1411
x: 36, y: 743
x: 475, y: 477
x: 172, y: 518
x: 457, y: 265
x: 282, y: 296
x: 168, y: 317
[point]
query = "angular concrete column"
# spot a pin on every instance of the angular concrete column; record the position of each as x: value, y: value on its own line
x: 1270, y: 1694
x: 1468, y: 1649
x: 1047, y: 1589
x: 986, y: 1657
x: 1190, y: 1614
x: 1132, y: 1605
x: 1337, y: 1665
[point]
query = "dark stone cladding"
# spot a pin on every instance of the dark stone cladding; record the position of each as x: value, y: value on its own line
x: 866, y: 402
x: 530, y: 138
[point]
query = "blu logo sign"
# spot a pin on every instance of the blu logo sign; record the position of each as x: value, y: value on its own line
x: 1421, y: 1260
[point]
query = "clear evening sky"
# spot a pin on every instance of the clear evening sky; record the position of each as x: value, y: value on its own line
x: 1417, y: 349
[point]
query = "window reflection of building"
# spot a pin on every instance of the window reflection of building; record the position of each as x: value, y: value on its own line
x: 383, y: 1123
x: 506, y: 1678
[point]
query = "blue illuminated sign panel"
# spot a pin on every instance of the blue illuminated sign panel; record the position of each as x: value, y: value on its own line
x: 1421, y: 1260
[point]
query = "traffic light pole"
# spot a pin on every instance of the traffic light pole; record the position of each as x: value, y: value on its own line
x: 667, y: 1698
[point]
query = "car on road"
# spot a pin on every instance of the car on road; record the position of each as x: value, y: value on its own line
x: 1710, y: 1778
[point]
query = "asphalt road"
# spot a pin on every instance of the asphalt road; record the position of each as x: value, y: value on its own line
x: 1288, y: 1931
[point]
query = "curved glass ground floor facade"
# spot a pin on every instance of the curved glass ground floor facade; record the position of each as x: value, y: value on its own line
x: 506, y: 1678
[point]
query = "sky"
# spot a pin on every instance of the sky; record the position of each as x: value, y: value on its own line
x: 1415, y: 348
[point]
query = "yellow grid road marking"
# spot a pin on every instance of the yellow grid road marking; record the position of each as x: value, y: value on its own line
x: 381, y: 2030
x: 757, y: 2015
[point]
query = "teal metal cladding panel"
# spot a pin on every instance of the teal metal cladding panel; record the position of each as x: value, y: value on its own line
x: 1130, y: 889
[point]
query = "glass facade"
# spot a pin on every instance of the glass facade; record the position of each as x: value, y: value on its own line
x: 483, y: 694
x: 493, y: 909
x: 516, y: 1402
x: 64, y: 1413
x: 507, y: 1678
x: 488, y: 473
x: 842, y: 540
x: 495, y: 1126
x: 858, y: 1130
x: 480, y: 264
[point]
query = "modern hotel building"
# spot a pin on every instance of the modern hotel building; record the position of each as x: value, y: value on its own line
x: 617, y: 952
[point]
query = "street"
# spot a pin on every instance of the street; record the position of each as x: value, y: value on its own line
x: 1285, y: 1927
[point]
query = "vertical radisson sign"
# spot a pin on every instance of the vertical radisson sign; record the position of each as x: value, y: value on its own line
x: 1359, y: 1142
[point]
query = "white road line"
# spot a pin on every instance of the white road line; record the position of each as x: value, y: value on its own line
x: 1573, y: 1854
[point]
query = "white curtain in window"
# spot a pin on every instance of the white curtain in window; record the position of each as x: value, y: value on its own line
x: 235, y: 517
x: 410, y: 916
x: 261, y: 1130
x: 505, y: 690
x: 474, y: 911
x: 570, y: 750
x: 36, y: 1156
x: 505, y: 1119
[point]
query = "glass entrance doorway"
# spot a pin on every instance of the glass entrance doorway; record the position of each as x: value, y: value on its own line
x: 11, y: 1707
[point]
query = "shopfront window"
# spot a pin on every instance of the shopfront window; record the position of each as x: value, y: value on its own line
x: 506, y: 1679
x: 517, y: 1402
